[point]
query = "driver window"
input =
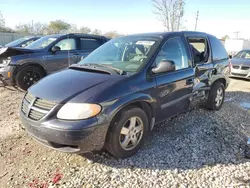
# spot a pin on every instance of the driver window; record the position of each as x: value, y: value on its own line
x: 174, y: 50
x: 67, y: 44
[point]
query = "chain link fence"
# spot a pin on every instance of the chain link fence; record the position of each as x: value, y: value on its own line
x: 9, y: 37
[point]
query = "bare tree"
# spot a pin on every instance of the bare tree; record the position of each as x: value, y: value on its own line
x: 170, y: 13
x: 96, y: 32
x: 36, y: 28
x: 85, y: 30
x: 2, y: 20
x: 39, y: 28
x: 112, y: 34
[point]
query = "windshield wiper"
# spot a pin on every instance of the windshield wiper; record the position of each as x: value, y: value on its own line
x: 119, y: 71
x: 86, y: 67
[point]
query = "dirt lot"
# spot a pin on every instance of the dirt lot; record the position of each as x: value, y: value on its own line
x: 199, y: 148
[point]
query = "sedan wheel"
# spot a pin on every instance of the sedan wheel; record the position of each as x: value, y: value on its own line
x: 27, y: 76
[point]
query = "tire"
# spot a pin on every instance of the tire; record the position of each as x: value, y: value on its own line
x: 27, y: 76
x: 116, y: 141
x: 213, y: 97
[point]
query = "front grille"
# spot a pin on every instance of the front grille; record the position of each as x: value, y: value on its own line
x: 236, y: 74
x: 245, y: 68
x: 236, y: 66
x: 43, y: 104
x: 36, y: 108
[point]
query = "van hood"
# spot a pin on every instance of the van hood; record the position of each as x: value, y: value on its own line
x: 12, y: 51
x: 67, y: 84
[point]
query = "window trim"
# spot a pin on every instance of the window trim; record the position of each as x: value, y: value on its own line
x: 209, y: 47
x: 56, y: 42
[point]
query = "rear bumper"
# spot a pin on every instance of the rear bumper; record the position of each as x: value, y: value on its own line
x: 91, y: 137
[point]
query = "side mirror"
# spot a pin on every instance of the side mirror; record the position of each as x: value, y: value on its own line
x: 55, y: 49
x: 164, y: 66
x: 230, y: 56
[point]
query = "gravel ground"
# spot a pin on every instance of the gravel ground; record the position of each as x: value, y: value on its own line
x: 199, y: 148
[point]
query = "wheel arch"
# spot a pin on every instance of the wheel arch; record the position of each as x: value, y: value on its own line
x: 222, y: 80
x: 143, y: 101
x: 28, y: 65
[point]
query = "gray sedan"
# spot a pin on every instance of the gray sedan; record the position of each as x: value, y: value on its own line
x: 240, y: 65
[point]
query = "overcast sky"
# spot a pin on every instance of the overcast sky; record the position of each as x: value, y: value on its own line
x: 218, y: 17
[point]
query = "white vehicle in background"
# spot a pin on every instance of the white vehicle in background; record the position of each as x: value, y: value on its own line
x: 233, y: 46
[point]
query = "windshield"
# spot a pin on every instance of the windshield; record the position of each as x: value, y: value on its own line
x: 126, y: 53
x: 16, y: 42
x: 243, y: 54
x: 42, y: 42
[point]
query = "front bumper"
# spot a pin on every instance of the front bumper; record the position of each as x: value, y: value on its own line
x: 91, y: 137
x: 238, y: 73
x: 5, y: 80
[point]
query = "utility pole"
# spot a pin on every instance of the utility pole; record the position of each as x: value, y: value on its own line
x: 237, y: 34
x: 197, y: 17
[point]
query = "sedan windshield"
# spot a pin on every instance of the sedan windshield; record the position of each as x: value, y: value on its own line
x: 42, y: 42
x: 16, y: 42
x: 243, y: 54
x: 127, y: 54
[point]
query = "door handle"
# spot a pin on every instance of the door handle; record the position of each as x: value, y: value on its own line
x: 189, y: 81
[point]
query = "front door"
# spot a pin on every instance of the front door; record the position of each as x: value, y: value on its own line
x: 63, y: 58
x: 174, y: 88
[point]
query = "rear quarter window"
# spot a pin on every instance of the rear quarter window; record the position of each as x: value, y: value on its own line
x: 218, y: 50
x: 89, y: 44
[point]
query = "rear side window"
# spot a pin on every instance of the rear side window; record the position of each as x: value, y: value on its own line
x: 200, y: 49
x: 218, y: 50
x: 89, y: 44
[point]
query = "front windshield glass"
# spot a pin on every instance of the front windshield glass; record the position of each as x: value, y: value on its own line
x: 126, y: 53
x: 243, y: 54
x: 42, y: 42
x: 16, y: 42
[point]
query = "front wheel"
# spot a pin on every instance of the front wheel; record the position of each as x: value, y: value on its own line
x: 216, y: 96
x: 27, y: 76
x: 127, y: 133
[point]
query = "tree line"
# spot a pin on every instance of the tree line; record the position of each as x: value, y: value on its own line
x: 53, y: 27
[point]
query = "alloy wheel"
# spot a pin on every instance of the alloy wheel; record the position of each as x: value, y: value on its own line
x: 131, y: 133
x: 30, y: 78
x: 219, y: 97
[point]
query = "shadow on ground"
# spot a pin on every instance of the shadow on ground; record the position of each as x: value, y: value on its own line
x: 192, y: 140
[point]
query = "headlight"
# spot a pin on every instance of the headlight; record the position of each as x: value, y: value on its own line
x: 6, y: 61
x: 76, y: 111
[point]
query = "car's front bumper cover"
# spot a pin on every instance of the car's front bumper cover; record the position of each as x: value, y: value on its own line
x: 91, y: 137
x: 240, y: 73
x: 5, y: 80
